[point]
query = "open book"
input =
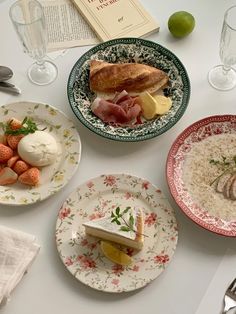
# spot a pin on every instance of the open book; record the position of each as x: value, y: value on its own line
x: 117, y: 18
x: 66, y: 27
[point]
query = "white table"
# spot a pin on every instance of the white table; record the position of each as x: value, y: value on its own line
x: 49, y: 287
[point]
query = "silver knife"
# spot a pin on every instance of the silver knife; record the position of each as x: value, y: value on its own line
x: 9, y: 88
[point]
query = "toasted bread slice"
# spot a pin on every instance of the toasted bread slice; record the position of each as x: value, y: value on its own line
x: 108, y: 78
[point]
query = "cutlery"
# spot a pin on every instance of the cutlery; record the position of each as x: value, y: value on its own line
x: 9, y: 88
x: 230, y: 297
x: 5, y: 73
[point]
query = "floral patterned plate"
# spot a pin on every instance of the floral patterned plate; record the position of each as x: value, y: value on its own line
x: 129, y: 50
x: 53, y: 177
x: 196, y: 133
x: 96, y: 198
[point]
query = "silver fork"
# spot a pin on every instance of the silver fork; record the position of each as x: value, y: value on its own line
x: 230, y: 297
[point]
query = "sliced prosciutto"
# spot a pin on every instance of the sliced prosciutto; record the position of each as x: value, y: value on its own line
x: 122, y: 109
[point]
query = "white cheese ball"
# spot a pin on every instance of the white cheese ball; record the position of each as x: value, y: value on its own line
x: 38, y: 149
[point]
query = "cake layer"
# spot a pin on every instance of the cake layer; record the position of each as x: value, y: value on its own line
x: 105, y: 229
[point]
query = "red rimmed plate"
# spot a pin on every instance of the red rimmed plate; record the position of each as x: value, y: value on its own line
x: 197, y: 132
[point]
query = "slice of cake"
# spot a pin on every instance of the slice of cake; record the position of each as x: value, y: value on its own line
x: 123, y: 227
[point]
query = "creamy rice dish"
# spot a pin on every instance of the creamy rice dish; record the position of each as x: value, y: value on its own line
x: 203, y: 165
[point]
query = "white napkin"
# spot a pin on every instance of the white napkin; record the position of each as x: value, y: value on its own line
x: 212, y: 302
x: 17, y: 252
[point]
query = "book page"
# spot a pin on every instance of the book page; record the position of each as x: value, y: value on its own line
x: 66, y: 27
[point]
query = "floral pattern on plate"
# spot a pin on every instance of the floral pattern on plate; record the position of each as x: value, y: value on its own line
x: 96, y: 198
x: 55, y: 176
x: 129, y: 50
x: 197, y: 132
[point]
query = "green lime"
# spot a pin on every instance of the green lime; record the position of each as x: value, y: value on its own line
x: 181, y: 24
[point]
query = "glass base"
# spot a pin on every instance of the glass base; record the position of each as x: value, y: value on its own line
x: 222, y: 80
x: 42, y: 74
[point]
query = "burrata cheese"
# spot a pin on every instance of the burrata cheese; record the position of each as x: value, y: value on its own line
x: 38, y: 149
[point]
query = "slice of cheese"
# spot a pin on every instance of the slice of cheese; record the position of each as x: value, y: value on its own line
x: 148, y: 105
x: 104, y: 229
x: 154, y: 105
x: 163, y: 104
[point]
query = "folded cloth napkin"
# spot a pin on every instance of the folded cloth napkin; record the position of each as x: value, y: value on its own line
x: 17, y: 252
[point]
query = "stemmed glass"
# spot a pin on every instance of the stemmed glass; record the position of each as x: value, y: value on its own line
x: 29, y: 22
x: 223, y: 77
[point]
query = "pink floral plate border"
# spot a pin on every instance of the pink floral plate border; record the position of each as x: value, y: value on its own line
x: 96, y: 198
x: 196, y: 132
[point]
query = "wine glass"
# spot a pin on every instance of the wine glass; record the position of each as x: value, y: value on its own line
x: 29, y: 22
x: 223, y: 77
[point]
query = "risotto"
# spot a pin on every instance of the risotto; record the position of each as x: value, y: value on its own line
x: 206, y: 161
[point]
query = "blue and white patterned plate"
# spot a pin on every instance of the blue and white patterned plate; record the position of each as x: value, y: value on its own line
x: 129, y: 50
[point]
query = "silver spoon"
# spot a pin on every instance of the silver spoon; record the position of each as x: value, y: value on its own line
x: 5, y: 73
x: 9, y: 88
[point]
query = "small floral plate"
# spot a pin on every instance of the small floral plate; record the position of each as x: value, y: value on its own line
x: 195, y: 133
x: 98, y: 197
x: 53, y: 177
x: 129, y: 50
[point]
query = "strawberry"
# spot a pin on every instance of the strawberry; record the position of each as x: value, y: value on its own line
x: 3, y: 139
x: 14, y: 124
x: 12, y: 161
x: 20, y: 166
x: 13, y: 140
x: 7, y: 176
x: 30, y: 176
x: 5, y: 153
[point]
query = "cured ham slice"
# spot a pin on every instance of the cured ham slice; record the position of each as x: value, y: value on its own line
x: 118, y: 96
x: 122, y: 109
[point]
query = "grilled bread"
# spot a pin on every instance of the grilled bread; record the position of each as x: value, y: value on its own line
x: 135, y: 78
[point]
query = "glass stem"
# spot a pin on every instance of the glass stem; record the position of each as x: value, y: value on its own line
x: 40, y: 63
x: 226, y: 69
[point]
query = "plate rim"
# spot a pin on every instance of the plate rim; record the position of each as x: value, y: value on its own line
x: 180, y: 112
x: 117, y: 174
x: 169, y: 171
x: 44, y: 104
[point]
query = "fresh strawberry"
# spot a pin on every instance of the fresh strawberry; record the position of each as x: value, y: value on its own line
x: 12, y: 161
x: 7, y: 176
x: 13, y: 140
x: 14, y: 124
x: 20, y: 167
x: 30, y: 176
x: 3, y: 139
x: 5, y: 153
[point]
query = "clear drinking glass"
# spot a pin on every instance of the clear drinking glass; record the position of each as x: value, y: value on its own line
x: 223, y: 77
x: 28, y: 19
